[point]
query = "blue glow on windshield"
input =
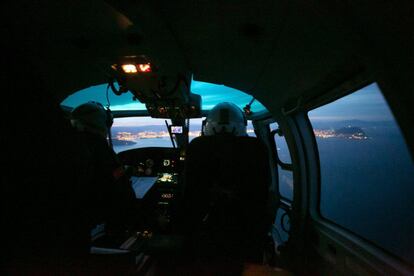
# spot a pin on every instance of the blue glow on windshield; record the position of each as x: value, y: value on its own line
x: 211, y: 94
x: 97, y: 93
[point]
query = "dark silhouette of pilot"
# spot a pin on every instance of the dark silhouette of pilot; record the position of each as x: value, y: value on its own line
x: 110, y: 200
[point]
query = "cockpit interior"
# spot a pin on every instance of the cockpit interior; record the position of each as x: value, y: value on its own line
x: 321, y: 183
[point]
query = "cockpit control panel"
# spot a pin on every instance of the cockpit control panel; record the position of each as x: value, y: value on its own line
x: 155, y: 179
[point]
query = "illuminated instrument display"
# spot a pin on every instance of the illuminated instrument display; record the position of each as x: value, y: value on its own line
x: 167, y: 177
x: 167, y: 196
x: 176, y: 129
x: 166, y: 162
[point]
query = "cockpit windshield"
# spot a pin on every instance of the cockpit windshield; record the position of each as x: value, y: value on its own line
x: 141, y: 132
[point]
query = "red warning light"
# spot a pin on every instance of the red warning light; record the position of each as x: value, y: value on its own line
x: 145, y: 68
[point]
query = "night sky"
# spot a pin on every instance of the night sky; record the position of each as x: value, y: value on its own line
x: 366, y: 104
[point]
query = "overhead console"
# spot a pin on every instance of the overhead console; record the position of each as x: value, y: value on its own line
x: 165, y: 95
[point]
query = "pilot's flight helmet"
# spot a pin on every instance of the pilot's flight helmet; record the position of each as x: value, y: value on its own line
x: 225, y: 118
x: 92, y: 117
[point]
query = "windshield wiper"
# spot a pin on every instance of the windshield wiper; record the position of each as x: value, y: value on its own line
x: 170, y: 133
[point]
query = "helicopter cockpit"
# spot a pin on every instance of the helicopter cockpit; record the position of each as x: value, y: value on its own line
x: 156, y: 117
x: 325, y: 87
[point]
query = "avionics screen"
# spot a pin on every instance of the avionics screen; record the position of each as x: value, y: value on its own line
x: 176, y: 129
x: 167, y: 178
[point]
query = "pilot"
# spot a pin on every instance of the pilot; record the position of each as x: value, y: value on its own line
x: 212, y: 236
x: 110, y: 197
x: 225, y: 118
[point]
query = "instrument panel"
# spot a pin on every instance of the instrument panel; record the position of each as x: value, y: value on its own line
x: 156, y: 178
x: 149, y: 161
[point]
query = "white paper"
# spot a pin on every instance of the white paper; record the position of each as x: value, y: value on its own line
x: 141, y: 185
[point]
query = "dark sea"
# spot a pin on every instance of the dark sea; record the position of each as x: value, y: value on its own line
x: 367, y: 186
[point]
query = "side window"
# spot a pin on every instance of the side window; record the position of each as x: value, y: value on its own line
x: 284, y: 161
x: 366, y: 170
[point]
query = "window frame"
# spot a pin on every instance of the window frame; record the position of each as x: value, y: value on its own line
x: 283, y: 166
x: 263, y: 132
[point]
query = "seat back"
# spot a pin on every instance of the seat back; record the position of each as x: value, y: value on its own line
x: 225, y: 196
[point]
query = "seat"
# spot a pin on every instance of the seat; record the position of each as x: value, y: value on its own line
x: 225, y: 208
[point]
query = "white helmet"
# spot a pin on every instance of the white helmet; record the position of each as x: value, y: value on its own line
x: 92, y: 117
x: 225, y: 118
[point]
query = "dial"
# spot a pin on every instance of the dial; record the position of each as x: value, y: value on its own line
x: 149, y: 163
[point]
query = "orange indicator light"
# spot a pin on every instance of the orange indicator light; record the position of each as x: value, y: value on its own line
x: 129, y: 68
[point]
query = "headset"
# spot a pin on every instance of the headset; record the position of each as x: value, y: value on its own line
x: 109, y: 122
x: 109, y: 118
